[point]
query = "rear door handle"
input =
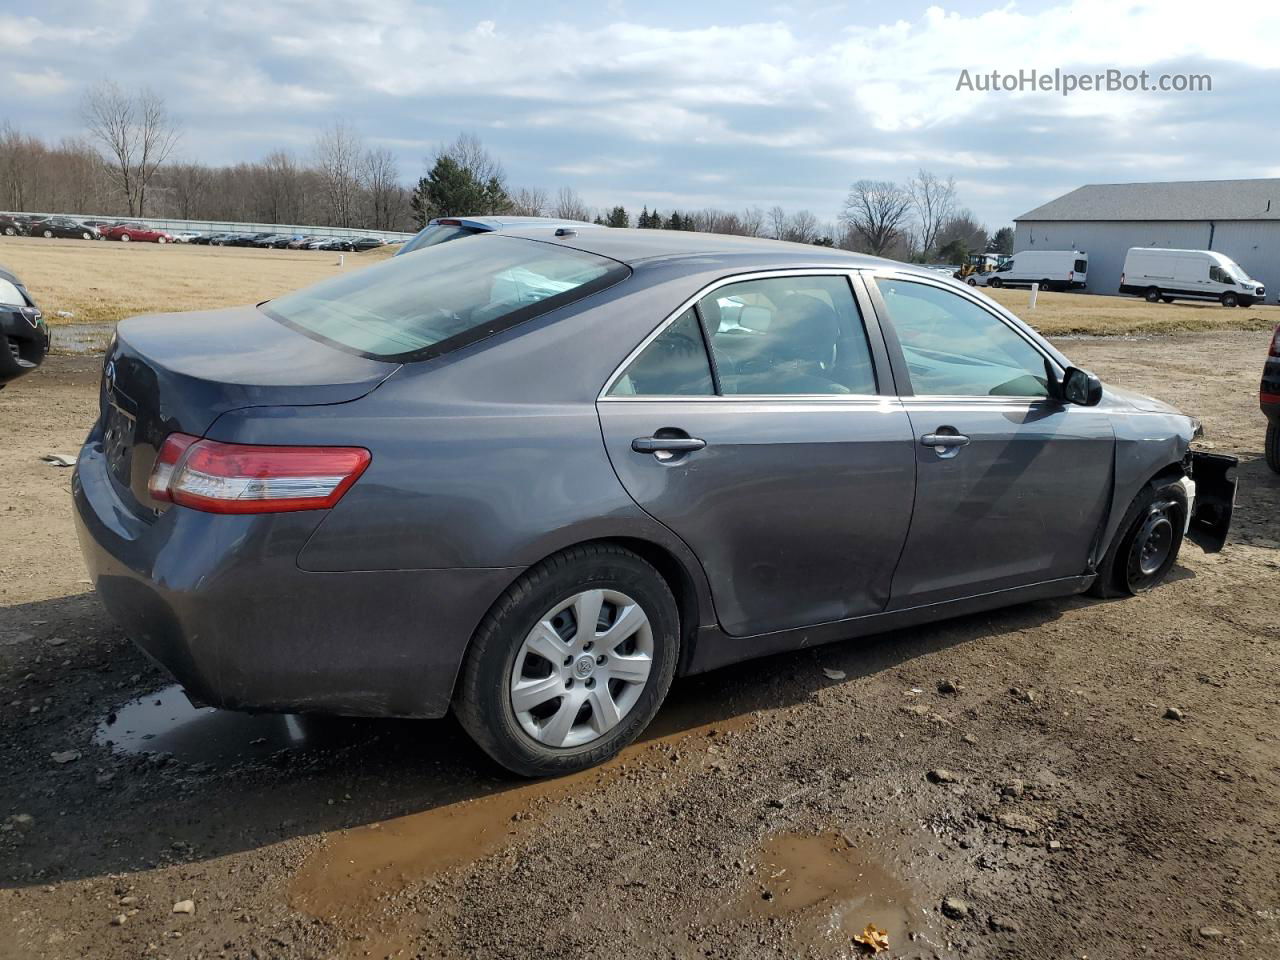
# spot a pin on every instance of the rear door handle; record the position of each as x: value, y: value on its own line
x: 667, y: 444
x: 944, y: 440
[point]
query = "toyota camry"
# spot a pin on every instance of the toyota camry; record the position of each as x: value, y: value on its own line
x: 530, y: 477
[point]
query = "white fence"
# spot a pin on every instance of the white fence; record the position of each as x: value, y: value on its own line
x: 226, y: 226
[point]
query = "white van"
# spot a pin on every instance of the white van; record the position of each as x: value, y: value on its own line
x: 1052, y: 269
x: 1168, y: 275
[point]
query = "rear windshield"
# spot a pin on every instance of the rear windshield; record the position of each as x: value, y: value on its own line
x: 443, y: 297
x: 437, y: 233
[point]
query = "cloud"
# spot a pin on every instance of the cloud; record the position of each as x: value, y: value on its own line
x: 43, y: 83
x: 777, y: 104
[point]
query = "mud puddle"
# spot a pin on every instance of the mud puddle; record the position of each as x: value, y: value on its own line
x: 166, y: 722
x: 358, y: 873
x: 826, y: 890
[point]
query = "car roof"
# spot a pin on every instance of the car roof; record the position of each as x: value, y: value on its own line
x: 636, y: 246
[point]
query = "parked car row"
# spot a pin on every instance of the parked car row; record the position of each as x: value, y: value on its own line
x: 31, y: 225
x: 294, y: 241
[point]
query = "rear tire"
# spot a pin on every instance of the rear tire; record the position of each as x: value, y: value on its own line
x: 1229, y: 299
x: 505, y: 655
x: 86, y: 236
x: 47, y: 234
x: 1153, y: 295
x: 1273, y: 445
x: 995, y: 282
x: 10, y: 232
x: 161, y: 240
x: 1146, y: 544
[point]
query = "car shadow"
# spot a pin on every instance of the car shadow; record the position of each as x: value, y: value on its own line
x: 160, y: 782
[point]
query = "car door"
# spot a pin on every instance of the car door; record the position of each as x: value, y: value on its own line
x: 760, y: 424
x: 1011, y: 484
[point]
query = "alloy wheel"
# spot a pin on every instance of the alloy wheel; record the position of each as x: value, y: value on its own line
x: 582, y: 668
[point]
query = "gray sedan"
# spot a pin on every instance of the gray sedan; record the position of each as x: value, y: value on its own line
x: 530, y: 478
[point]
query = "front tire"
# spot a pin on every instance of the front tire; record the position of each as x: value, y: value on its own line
x: 47, y: 234
x: 161, y: 240
x: 543, y: 694
x: 125, y: 237
x: 995, y: 282
x: 86, y: 236
x: 1273, y: 445
x: 1147, y: 544
x: 1229, y: 299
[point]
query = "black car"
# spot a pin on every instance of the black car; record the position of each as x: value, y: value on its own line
x: 63, y: 227
x: 1269, y: 400
x: 11, y: 227
x: 336, y: 243
x: 24, y: 337
x: 360, y: 244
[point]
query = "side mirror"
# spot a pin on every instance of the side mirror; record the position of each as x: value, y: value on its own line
x: 1081, y: 387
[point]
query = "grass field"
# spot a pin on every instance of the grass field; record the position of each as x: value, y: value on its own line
x: 102, y: 282
x: 106, y: 281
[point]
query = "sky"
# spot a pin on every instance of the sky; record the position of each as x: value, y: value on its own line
x: 678, y: 104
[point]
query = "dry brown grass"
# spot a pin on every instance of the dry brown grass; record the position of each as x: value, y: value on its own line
x: 105, y: 281
x: 1060, y: 314
x: 102, y: 282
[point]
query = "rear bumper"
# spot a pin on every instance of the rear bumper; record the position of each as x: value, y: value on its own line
x: 220, y: 602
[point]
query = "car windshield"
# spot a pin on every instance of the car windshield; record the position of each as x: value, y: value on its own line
x: 10, y: 295
x: 413, y: 308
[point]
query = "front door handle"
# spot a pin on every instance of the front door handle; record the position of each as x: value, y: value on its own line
x: 944, y: 440
x: 667, y: 444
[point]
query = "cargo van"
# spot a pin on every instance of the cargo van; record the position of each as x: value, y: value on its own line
x: 1168, y: 275
x: 1052, y: 269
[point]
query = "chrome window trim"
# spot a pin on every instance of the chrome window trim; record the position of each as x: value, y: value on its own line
x: 981, y: 302
x: 846, y: 272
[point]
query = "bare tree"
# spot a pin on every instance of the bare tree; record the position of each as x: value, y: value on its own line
x: 136, y: 135
x: 934, y: 202
x: 529, y: 202
x: 875, y: 211
x: 800, y: 227
x: 752, y: 221
x: 569, y: 205
x: 337, y: 156
x: 777, y: 220
x: 386, y: 197
x: 189, y: 186
x: 470, y: 154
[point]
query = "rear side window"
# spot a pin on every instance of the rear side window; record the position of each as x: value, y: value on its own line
x: 445, y: 296
x: 1081, y: 266
x: 788, y: 335
x: 674, y: 364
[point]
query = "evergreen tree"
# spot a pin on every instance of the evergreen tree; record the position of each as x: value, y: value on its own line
x: 618, y: 218
x: 451, y: 190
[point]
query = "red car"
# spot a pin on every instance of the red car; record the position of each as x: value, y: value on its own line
x: 1269, y: 400
x: 136, y: 231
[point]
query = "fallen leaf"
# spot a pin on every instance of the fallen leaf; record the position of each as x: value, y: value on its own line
x: 833, y: 674
x: 873, y: 938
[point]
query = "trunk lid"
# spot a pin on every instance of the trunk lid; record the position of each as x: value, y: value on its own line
x: 180, y: 372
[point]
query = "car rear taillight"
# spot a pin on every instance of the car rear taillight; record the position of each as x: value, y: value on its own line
x: 1122, y: 279
x: 247, y: 478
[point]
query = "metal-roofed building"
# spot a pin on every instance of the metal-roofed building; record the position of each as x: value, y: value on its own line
x: 1238, y: 218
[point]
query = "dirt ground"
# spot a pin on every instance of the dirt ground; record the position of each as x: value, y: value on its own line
x: 774, y: 811
x: 103, y: 281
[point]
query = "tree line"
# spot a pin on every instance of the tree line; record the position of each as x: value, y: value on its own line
x: 124, y: 163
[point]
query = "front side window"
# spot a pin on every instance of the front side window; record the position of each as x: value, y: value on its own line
x: 674, y: 364
x: 788, y: 335
x: 444, y: 296
x: 956, y: 348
